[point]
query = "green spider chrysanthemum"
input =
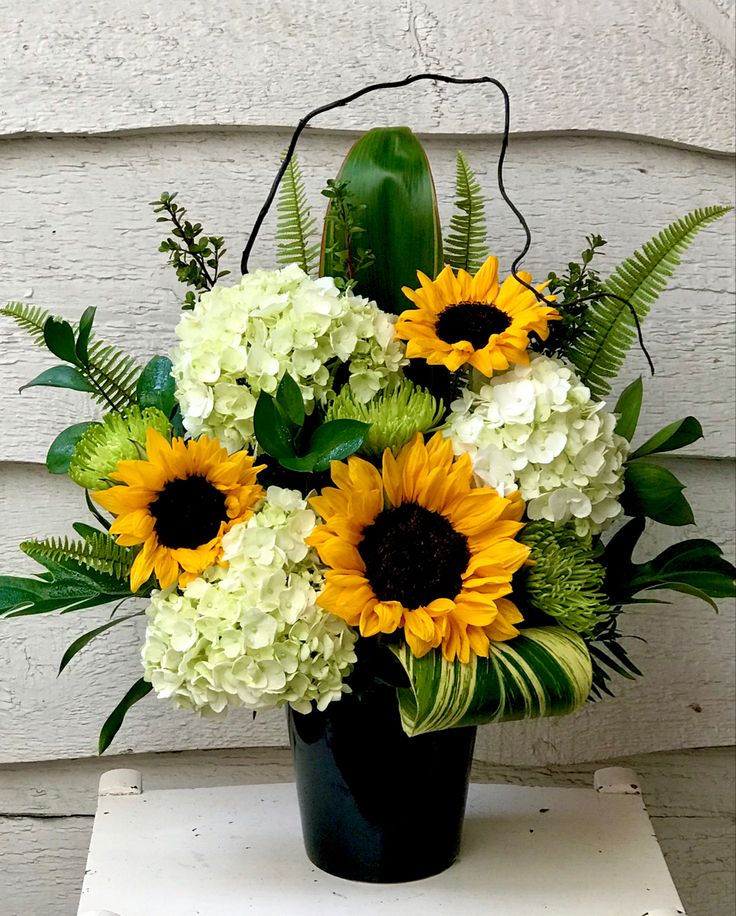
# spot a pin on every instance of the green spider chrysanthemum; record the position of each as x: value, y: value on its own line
x: 566, y: 581
x: 119, y: 437
x: 395, y: 415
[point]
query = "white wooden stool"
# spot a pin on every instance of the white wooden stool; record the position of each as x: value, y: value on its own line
x: 237, y: 850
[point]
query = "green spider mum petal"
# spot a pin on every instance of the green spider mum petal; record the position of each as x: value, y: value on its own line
x: 395, y: 415
x: 566, y: 581
x: 119, y: 437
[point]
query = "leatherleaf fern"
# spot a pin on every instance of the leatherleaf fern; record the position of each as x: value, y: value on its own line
x: 97, y: 552
x: 609, y: 327
x: 295, y: 225
x: 105, y: 372
x: 465, y: 245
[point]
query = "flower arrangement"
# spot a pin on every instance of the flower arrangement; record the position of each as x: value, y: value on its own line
x: 382, y: 447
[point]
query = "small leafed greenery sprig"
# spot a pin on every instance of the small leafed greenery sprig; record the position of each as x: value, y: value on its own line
x: 194, y: 256
x: 343, y: 221
x: 581, y: 280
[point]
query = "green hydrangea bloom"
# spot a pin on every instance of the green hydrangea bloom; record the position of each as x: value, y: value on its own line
x: 566, y: 581
x: 395, y: 415
x: 119, y: 437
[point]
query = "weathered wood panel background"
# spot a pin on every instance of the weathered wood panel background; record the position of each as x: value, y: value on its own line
x: 622, y: 118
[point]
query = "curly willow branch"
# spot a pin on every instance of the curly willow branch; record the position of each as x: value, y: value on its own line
x: 458, y: 81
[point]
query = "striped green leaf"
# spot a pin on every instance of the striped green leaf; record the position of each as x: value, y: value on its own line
x: 389, y: 179
x: 545, y: 671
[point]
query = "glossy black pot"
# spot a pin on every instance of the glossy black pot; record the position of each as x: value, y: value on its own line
x: 375, y: 804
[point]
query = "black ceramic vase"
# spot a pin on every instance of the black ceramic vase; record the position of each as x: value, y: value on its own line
x: 375, y: 804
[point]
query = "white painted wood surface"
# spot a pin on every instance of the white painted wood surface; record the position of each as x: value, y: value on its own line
x: 688, y: 794
x: 87, y: 122
x: 655, y: 69
x: 180, y: 852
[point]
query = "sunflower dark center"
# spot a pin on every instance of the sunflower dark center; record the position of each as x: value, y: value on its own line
x: 471, y: 321
x: 413, y: 555
x: 188, y: 512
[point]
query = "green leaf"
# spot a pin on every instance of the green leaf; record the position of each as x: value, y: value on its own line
x: 62, y: 448
x: 295, y: 227
x: 675, y: 435
x: 335, y: 440
x: 545, y: 671
x: 59, y: 338
x: 686, y: 589
x: 86, y: 638
x: 655, y: 492
x: 466, y: 244
x: 156, y: 386
x: 628, y: 408
x: 608, y: 331
x: 60, y: 377
x: 389, y: 175
x: 289, y: 399
x: 113, y: 722
x: 85, y: 329
x: 272, y: 430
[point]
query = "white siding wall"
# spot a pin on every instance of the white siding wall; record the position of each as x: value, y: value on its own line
x: 622, y: 118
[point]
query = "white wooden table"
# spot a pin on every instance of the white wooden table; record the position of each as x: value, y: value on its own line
x: 238, y: 850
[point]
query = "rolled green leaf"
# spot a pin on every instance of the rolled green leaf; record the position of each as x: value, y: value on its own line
x: 389, y: 175
x: 545, y: 671
x: 156, y: 387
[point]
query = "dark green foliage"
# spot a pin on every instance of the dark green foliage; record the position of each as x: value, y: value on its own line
x: 672, y: 437
x: 466, y: 245
x: 695, y: 567
x: 628, y: 408
x: 113, y: 722
x: 343, y: 225
x: 608, y: 655
x: 295, y: 225
x: 608, y: 328
x: 281, y: 431
x: 76, y: 647
x: 581, y: 280
x: 654, y: 492
x: 194, y: 256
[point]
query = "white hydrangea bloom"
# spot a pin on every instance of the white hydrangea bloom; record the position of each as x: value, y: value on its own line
x: 251, y: 634
x: 240, y: 340
x: 537, y: 428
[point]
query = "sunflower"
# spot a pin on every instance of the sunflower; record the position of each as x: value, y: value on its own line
x: 416, y: 547
x: 178, y: 504
x: 461, y: 319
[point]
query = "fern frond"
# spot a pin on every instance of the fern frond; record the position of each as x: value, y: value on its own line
x: 29, y: 317
x: 609, y: 328
x: 98, y: 552
x: 295, y: 224
x: 113, y: 374
x: 466, y: 243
